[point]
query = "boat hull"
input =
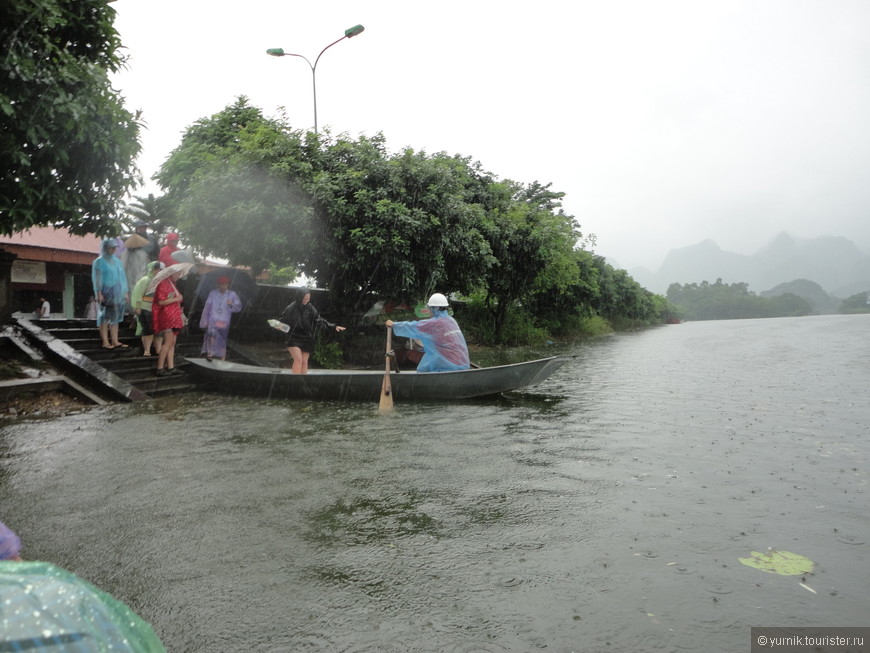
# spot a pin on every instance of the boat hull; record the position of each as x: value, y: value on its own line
x: 365, y: 385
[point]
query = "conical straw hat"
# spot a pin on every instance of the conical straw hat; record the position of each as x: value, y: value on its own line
x: 134, y: 241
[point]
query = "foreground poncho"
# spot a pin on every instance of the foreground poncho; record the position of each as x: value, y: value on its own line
x: 46, y: 608
x: 443, y: 343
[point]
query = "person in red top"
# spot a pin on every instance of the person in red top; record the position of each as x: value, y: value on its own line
x: 167, y: 317
x: 166, y: 252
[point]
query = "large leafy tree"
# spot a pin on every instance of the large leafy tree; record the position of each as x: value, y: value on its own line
x: 67, y: 144
x: 235, y: 185
x: 402, y: 226
x: 343, y: 211
x: 532, y: 241
x: 362, y: 221
x: 560, y: 309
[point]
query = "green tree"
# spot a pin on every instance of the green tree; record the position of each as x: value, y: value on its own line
x: 857, y: 303
x: 235, y: 187
x: 67, y: 144
x: 364, y: 222
x: 401, y: 226
x: 562, y: 311
x: 153, y: 210
x: 532, y: 241
x: 721, y: 301
x: 210, y: 144
x: 344, y: 212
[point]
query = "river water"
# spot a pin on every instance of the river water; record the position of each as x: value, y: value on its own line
x: 604, y: 510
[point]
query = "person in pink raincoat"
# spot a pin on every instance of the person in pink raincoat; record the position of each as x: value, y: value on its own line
x: 219, y: 307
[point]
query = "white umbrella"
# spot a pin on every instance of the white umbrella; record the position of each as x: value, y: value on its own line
x: 167, y: 272
x: 183, y: 256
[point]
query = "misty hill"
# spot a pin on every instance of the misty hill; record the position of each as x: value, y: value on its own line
x: 821, y: 302
x: 836, y: 264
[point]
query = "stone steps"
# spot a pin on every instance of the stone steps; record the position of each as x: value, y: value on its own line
x: 122, y: 369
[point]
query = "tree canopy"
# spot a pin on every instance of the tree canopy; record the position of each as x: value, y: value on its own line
x: 67, y: 144
x: 857, y: 303
x: 363, y: 221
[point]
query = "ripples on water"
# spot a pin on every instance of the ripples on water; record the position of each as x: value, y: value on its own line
x: 602, y: 511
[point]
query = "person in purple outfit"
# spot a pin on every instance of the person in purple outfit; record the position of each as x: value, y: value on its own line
x: 10, y: 545
x: 219, y: 307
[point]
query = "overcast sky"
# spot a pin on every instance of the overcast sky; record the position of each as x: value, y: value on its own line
x: 664, y: 122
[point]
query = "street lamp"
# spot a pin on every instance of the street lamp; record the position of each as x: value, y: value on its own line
x: 349, y: 33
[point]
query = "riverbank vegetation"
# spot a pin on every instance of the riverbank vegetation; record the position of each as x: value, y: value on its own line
x: 857, y: 303
x: 365, y: 222
x: 722, y: 301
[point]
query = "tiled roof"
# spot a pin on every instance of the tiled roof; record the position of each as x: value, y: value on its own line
x: 51, y: 238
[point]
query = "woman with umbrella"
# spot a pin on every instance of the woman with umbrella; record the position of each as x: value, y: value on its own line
x: 219, y: 307
x: 166, y: 314
x: 110, y: 289
x: 142, y: 305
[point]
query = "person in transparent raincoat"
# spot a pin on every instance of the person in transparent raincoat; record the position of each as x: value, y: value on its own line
x: 444, y: 347
x: 219, y: 307
x: 110, y: 289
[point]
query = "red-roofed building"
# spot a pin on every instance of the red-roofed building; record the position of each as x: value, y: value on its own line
x: 54, y: 264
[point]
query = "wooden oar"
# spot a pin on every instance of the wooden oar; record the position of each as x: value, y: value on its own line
x: 386, y: 387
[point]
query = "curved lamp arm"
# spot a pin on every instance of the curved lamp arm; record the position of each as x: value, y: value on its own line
x: 349, y: 33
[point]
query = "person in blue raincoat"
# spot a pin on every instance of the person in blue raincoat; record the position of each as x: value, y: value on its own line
x: 110, y: 289
x: 443, y: 343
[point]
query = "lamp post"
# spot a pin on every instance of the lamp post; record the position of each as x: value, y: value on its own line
x: 349, y: 33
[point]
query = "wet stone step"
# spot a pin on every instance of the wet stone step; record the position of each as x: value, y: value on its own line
x: 96, y: 343
x: 128, y: 362
x: 164, y: 385
x: 151, y: 379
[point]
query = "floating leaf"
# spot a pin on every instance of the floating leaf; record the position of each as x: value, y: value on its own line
x: 784, y: 563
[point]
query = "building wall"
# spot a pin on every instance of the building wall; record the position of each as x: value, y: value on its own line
x: 53, y: 264
x: 66, y: 285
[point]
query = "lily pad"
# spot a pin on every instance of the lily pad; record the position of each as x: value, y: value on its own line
x: 784, y: 563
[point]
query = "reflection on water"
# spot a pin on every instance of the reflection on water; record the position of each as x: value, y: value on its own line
x: 602, y: 511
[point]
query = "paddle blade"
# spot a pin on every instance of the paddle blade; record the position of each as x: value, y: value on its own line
x: 387, y: 387
x: 386, y: 394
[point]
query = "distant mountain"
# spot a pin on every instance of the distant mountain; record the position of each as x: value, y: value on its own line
x: 836, y: 264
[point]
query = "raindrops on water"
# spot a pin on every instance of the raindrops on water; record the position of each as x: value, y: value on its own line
x: 513, y: 525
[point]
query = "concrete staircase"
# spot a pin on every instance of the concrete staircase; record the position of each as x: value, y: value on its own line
x: 119, y: 373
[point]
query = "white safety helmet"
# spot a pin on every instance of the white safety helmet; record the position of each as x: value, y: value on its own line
x: 438, y: 300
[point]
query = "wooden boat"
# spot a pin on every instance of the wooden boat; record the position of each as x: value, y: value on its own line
x: 365, y: 385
